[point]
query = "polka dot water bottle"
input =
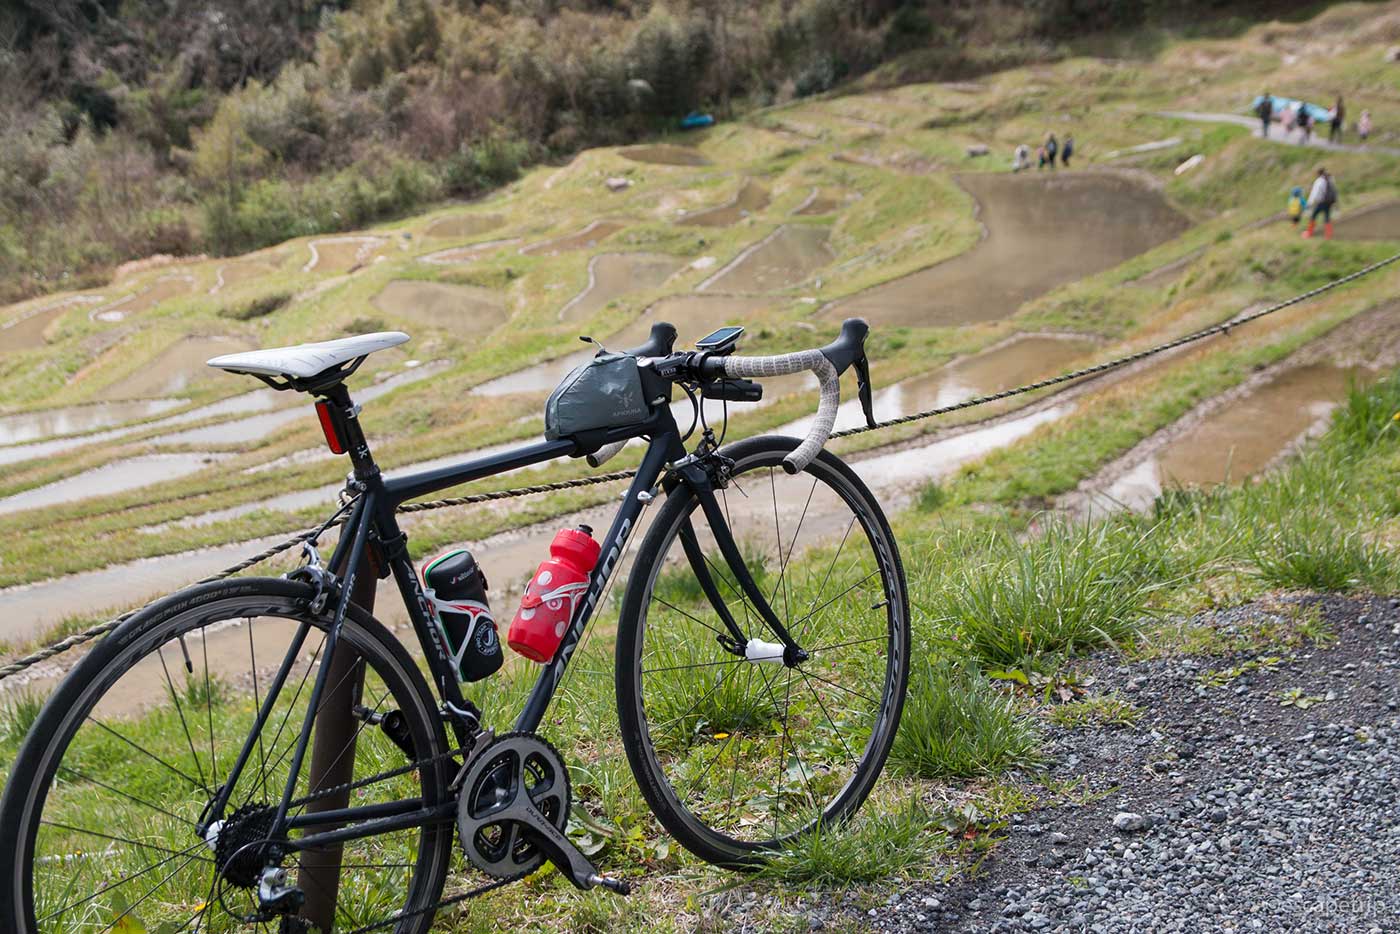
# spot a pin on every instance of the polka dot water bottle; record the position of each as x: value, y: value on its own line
x: 552, y: 594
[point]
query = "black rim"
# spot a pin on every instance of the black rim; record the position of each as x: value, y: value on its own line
x: 747, y: 756
x: 132, y: 763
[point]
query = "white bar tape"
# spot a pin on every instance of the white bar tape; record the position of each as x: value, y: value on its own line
x: 814, y: 360
x: 605, y: 453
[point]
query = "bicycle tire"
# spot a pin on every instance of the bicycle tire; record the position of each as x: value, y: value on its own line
x: 41, y: 756
x: 705, y: 841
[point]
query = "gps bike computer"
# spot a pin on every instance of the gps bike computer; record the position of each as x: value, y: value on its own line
x: 723, y: 339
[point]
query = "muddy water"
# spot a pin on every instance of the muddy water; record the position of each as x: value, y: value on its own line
x: 1379, y: 223
x: 463, y: 225
x: 117, y: 477
x: 1240, y: 439
x: 1042, y: 232
x: 256, y: 401
x: 613, y: 275
x: 466, y: 254
x: 76, y: 419
x: 176, y: 368
x: 164, y: 288
x: 781, y: 260
x: 341, y: 254
x: 235, y: 274
x: 585, y: 239
x: 917, y: 465
x: 664, y: 154
x: 1021, y: 360
x: 817, y: 204
x: 27, y: 330
x: 464, y: 309
x: 542, y: 377
x: 751, y: 197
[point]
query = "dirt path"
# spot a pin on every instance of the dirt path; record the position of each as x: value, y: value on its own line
x: 1277, y: 134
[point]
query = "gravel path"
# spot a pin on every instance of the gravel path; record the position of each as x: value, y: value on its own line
x: 1225, y: 809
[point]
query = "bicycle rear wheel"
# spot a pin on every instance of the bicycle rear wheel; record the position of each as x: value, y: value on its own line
x: 98, y: 823
x: 738, y: 757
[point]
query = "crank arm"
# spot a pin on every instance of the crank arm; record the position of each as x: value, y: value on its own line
x: 557, y: 847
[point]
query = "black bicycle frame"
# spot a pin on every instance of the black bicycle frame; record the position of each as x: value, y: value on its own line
x: 373, y: 521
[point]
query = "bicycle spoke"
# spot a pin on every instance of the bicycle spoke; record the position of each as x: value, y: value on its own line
x: 708, y: 694
x: 175, y: 696
x: 839, y: 596
x: 840, y: 687
x: 144, y: 898
x: 792, y: 545
x: 831, y: 567
x: 846, y: 645
x: 257, y: 705
x: 826, y: 713
x: 148, y: 754
x: 731, y: 661
x: 107, y: 836
x: 209, y: 705
x: 174, y: 855
x: 123, y: 794
x: 690, y: 616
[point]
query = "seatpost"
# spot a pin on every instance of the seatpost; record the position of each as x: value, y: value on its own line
x: 347, y: 418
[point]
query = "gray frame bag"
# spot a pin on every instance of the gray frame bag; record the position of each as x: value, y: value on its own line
x: 605, y: 392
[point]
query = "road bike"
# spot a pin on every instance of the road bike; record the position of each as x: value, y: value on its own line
x: 261, y: 753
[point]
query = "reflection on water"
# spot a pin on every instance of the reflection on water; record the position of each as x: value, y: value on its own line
x: 1021, y: 360
x: 613, y: 275
x: 783, y: 259
x: 1238, y: 440
x: 75, y: 419
x: 117, y: 477
x: 1041, y: 232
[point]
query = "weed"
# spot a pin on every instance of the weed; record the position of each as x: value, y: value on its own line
x: 1068, y: 589
x: 17, y: 715
x: 256, y: 307
x: 956, y: 723
x: 1101, y: 710
x: 873, y: 847
x: 1298, y: 699
x: 1219, y: 677
x: 931, y: 496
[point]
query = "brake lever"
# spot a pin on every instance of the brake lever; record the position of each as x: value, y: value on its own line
x: 867, y: 402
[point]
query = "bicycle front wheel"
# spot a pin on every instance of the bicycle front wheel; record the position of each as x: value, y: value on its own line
x: 737, y: 756
x: 99, y: 828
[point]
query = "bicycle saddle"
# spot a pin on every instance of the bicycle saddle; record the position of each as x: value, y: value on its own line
x: 309, y: 366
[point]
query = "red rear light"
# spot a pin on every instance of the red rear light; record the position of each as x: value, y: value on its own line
x: 323, y: 412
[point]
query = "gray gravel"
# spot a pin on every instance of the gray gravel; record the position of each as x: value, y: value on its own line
x: 1223, y: 810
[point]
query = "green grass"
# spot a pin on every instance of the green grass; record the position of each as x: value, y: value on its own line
x: 956, y: 724
x: 1009, y: 600
x: 1099, y: 710
x: 881, y: 846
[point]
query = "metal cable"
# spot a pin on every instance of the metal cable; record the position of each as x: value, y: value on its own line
x: 87, y: 635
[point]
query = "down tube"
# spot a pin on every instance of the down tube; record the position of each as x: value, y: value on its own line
x: 623, y: 524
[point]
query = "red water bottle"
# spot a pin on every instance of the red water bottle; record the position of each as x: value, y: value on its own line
x: 548, y: 605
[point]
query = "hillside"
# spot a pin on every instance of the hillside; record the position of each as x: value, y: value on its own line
x: 138, y: 128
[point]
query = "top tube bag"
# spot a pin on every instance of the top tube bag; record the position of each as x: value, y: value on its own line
x: 605, y: 392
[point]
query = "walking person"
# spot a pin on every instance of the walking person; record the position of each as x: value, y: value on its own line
x: 1334, y: 132
x: 1265, y: 110
x: 1021, y: 158
x: 1067, y: 150
x: 1051, y: 148
x: 1323, y: 198
x: 1297, y: 204
x: 1289, y: 119
x: 1363, y: 126
x: 1305, y: 122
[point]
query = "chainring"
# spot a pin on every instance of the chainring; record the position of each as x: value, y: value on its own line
x: 512, y: 766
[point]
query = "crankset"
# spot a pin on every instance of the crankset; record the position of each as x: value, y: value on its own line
x: 512, y: 811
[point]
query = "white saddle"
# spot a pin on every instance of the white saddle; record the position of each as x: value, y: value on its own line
x: 303, y: 361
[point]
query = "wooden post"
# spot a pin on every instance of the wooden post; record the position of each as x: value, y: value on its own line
x: 333, y: 761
